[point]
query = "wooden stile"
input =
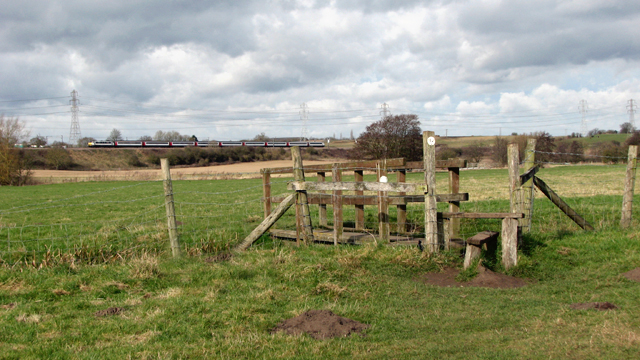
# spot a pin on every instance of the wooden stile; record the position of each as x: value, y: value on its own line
x: 298, y: 174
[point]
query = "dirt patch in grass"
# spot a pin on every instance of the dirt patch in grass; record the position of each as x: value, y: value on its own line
x: 486, y: 278
x: 219, y: 258
x: 320, y: 324
x: 593, y: 305
x: 109, y: 311
x: 633, y: 275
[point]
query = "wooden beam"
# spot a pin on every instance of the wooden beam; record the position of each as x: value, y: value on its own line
x: 266, y: 192
x: 338, y: 220
x: 528, y: 175
x: 354, y: 186
x: 298, y: 174
x: 359, y: 208
x: 509, y: 235
x: 463, y: 215
x: 527, y: 186
x: 430, y: 206
x: 383, y: 206
x: 267, y: 223
x: 440, y: 164
x: 362, y: 200
x: 629, y: 184
x: 548, y: 192
x: 322, y: 210
x: 401, y: 209
x: 454, y: 206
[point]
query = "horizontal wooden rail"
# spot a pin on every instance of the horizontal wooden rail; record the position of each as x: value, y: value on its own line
x: 354, y: 186
x: 325, y: 199
x: 440, y: 164
x: 463, y: 215
x: 353, y: 165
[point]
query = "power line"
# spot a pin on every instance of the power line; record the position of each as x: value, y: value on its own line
x: 385, y: 110
x: 304, y: 116
x: 631, y: 109
x: 583, y: 110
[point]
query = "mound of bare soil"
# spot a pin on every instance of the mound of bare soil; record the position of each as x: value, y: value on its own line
x: 109, y: 311
x: 633, y: 275
x: 594, y: 305
x: 486, y: 278
x: 320, y: 324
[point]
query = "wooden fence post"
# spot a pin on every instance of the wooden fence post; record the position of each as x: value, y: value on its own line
x: 298, y: 174
x: 454, y: 206
x: 359, y: 177
x: 514, y: 186
x: 509, y: 242
x: 383, y: 205
x: 266, y: 191
x: 401, y: 227
x: 527, y: 187
x: 322, y: 209
x: 629, y: 184
x: 430, y: 205
x: 171, y: 210
x: 336, y: 175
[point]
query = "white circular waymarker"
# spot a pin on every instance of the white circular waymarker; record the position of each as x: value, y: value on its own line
x: 383, y: 179
x: 431, y: 140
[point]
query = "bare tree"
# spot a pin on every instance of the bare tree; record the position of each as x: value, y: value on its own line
x: 115, y: 135
x: 626, y: 128
x: 14, y: 168
x: 394, y: 136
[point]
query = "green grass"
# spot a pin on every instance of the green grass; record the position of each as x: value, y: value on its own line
x: 194, y: 308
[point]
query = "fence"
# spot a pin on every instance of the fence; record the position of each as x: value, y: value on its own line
x: 103, y: 221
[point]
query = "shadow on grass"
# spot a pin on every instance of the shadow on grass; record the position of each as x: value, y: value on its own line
x: 529, y: 244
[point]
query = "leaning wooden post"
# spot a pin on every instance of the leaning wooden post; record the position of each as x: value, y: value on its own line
x: 170, y: 207
x: 402, y: 209
x: 629, y: 184
x: 298, y: 174
x: 336, y: 175
x: 359, y: 177
x: 454, y: 206
x: 268, y: 222
x: 266, y: 191
x: 383, y: 205
x: 430, y: 204
x: 527, y: 187
x: 322, y: 209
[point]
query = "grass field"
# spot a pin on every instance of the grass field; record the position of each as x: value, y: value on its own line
x: 199, y: 308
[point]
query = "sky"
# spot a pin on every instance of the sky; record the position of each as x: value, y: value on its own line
x: 233, y: 69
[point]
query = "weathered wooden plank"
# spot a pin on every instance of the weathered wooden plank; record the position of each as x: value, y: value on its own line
x: 359, y: 208
x: 528, y: 175
x: 170, y: 208
x: 354, y: 186
x: 629, y: 184
x: 472, y: 253
x: 463, y: 215
x: 572, y: 214
x: 268, y: 222
x: 362, y: 200
x: 527, y: 186
x: 454, y: 206
x: 322, y: 210
x: 509, y: 235
x: 401, y: 209
x: 383, y: 206
x: 298, y: 174
x: 266, y: 192
x: 430, y: 208
x: 338, y: 220
x: 514, y: 185
x: 483, y: 237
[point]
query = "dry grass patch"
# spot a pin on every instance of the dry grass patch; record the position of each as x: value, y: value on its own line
x: 170, y: 293
x: 60, y: 292
x: 29, y: 319
x: 330, y: 289
x: 144, y: 267
x: 14, y: 286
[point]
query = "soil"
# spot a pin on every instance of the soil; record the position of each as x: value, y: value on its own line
x: 219, y: 258
x: 486, y: 278
x: 109, y: 311
x: 633, y: 275
x: 594, y: 305
x: 320, y: 324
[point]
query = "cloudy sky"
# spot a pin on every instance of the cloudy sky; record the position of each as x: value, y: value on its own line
x: 231, y: 69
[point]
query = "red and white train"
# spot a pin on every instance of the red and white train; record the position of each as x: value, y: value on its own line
x: 162, y: 144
